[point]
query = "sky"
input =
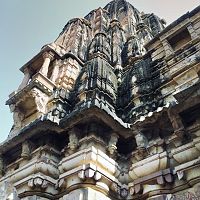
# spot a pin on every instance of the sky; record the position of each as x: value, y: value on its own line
x: 27, y: 25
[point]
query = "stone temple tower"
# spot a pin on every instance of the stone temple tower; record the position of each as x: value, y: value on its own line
x: 108, y: 111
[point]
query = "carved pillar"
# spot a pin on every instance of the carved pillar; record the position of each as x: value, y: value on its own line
x: 25, y: 79
x: 55, y: 71
x: 167, y: 47
x: 1, y: 166
x: 48, y: 56
x: 112, y: 145
x: 26, y: 150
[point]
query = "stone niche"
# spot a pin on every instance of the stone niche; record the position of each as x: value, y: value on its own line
x: 179, y: 39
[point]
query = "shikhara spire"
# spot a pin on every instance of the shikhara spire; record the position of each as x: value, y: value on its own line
x: 130, y: 22
x: 108, y: 111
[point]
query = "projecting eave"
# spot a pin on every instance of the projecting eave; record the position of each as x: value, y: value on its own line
x: 174, y: 24
x: 32, y: 129
x: 94, y: 112
x: 44, y: 124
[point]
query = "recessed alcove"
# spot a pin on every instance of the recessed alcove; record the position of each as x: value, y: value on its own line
x: 126, y: 146
x: 191, y: 115
x: 179, y: 39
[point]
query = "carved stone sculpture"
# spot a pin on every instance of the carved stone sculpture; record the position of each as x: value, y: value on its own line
x: 94, y: 116
x: 26, y: 150
x: 73, y: 141
x: 18, y: 116
x: 112, y: 148
x: 40, y: 98
x: 141, y: 140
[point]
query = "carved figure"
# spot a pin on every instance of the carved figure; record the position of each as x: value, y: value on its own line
x: 18, y: 116
x: 144, y: 34
x: 73, y: 141
x: 134, y: 47
x: 41, y: 99
x: 112, y: 144
x: 141, y: 140
x: 26, y: 150
x: 156, y: 24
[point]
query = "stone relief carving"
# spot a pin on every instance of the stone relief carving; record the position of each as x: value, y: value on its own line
x: 132, y: 50
x: 141, y: 140
x: 18, y: 116
x: 142, y: 146
x: 26, y: 150
x: 89, y: 173
x: 73, y: 142
x: 38, y: 181
x: 41, y: 99
x: 141, y: 81
x: 112, y: 148
x: 144, y: 33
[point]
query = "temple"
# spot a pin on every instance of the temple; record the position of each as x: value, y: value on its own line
x: 108, y: 111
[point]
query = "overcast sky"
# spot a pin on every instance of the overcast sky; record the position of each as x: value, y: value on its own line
x: 26, y: 25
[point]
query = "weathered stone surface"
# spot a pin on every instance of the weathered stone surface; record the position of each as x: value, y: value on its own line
x: 108, y: 111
